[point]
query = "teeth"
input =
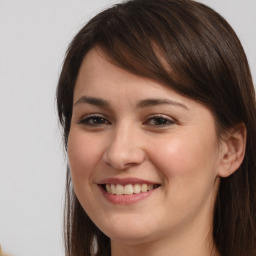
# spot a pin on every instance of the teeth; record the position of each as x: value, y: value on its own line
x: 108, y: 188
x: 144, y: 188
x: 128, y: 189
x: 113, y: 189
x: 119, y: 189
x: 136, y: 188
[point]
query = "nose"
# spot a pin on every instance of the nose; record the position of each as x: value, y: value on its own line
x: 124, y: 149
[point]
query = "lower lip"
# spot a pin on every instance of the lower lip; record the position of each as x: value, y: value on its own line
x: 126, y: 199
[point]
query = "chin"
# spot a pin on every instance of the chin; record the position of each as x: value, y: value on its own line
x: 130, y: 234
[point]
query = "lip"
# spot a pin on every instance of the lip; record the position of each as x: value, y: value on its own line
x: 126, y: 181
x: 126, y: 199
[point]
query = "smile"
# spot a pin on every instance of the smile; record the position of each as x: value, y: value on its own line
x: 129, y: 189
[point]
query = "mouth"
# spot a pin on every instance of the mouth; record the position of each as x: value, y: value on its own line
x: 128, y: 189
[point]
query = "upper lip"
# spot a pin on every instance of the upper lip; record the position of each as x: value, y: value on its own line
x: 126, y: 181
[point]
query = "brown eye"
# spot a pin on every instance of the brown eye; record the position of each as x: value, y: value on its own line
x: 160, y: 121
x: 94, y: 121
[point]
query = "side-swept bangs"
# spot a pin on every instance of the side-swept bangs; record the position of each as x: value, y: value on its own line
x: 192, y: 49
x: 189, y: 47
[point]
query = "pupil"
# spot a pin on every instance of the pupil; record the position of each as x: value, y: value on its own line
x: 160, y: 121
x: 98, y: 120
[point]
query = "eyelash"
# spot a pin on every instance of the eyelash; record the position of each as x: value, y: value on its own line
x: 94, y: 117
x: 164, y: 121
x: 95, y: 120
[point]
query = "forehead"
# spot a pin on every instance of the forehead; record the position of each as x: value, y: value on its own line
x: 99, y: 79
x: 98, y: 75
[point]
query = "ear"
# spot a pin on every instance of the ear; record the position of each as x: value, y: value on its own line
x: 232, y: 151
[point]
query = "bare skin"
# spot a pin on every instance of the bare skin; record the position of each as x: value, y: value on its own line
x: 128, y: 129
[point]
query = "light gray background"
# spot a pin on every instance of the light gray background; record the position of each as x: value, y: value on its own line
x: 34, y: 35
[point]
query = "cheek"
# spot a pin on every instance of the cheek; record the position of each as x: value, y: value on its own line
x: 188, y: 157
x: 84, y: 153
x: 188, y: 166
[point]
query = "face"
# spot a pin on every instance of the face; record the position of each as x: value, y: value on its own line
x: 143, y: 159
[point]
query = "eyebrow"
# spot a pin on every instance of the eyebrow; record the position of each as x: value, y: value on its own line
x: 141, y: 104
x: 93, y: 101
x: 154, y: 102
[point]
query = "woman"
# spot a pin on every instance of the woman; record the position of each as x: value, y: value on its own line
x: 158, y: 110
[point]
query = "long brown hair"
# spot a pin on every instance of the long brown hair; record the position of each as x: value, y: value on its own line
x: 191, y: 48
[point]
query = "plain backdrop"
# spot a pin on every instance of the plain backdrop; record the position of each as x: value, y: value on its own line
x: 34, y: 35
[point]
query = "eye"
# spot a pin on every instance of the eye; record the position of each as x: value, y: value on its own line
x: 161, y: 121
x: 94, y: 120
